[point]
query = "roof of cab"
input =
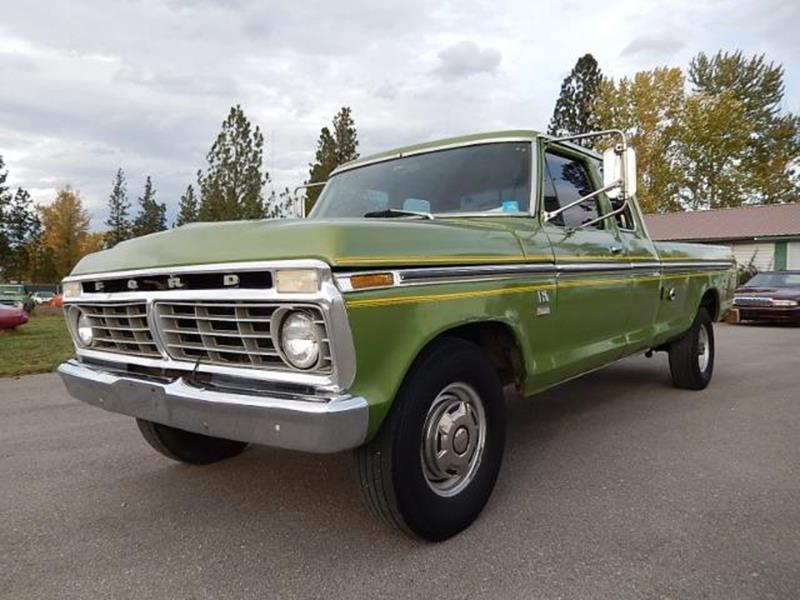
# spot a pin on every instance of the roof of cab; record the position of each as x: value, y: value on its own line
x: 511, y: 134
x: 453, y: 142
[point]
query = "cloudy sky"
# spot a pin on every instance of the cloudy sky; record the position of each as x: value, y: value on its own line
x: 88, y: 86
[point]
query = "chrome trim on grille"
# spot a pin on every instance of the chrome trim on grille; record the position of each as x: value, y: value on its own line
x: 755, y: 301
x: 328, y: 300
x: 120, y: 327
x: 230, y: 333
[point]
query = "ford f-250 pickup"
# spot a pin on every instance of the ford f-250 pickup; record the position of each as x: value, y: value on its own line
x: 389, y: 321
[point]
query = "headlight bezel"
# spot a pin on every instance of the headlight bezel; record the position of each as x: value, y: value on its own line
x: 784, y: 303
x: 78, y: 328
x: 283, y: 318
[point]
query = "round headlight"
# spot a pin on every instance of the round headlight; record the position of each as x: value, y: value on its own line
x: 84, y: 327
x: 300, y: 340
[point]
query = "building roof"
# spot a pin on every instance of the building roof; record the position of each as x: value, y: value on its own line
x: 747, y: 222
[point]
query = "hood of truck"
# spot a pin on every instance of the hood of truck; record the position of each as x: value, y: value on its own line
x: 361, y: 243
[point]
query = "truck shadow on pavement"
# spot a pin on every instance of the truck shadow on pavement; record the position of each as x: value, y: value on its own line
x: 276, y: 497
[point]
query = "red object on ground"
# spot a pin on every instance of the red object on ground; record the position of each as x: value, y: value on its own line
x: 11, y: 317
x: 57, y: 300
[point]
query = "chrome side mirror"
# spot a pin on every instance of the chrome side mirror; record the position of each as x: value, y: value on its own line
x: 619, y: 172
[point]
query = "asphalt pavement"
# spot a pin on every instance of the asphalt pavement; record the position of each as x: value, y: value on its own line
x: 616, y: 485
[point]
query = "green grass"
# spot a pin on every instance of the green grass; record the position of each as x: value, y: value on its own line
x: 36, y: 347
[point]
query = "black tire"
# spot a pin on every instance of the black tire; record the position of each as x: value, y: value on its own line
x: 685, y: 354
x: 188, y: 447
x: 393, y: 476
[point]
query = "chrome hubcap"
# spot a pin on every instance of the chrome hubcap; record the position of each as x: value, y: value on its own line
x: 703, y: 349
x: 453, y: 439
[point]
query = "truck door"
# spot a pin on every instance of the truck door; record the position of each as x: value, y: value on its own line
x: 592, y: 270
x: 645, y: 290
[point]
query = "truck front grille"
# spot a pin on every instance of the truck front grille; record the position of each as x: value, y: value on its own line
x: 228, y: 333
x: 121, y: 328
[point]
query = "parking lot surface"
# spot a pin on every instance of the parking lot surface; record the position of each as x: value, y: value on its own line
x: 616, y: 485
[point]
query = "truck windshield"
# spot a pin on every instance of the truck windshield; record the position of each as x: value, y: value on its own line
x: 488, y: 178
x: 12, y: 290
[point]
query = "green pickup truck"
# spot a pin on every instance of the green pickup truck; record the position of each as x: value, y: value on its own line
x: 16, y: 295
x: 388, y: 321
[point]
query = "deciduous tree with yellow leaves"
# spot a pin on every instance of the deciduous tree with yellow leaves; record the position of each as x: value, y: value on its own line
x: 65, y: 234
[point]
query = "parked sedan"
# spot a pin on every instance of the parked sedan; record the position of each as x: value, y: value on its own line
x: 43, y: 297
x: 11, y: 317
x: 772, y: 296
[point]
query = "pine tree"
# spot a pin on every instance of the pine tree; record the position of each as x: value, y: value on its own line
x: 232, y: 186
x: 19, y: 230
x: 187, y: 208
x: 575, y: 108
x: 5, y: 202
x: 325, y: 162
x: 118, y: 222
x: 345, y: 135
x: 333, y: 149
x: 22, y: 229
x: 281, y: 206
x: 152, y: 216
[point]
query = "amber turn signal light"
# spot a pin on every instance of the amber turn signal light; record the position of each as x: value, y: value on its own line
x: 371, y: 280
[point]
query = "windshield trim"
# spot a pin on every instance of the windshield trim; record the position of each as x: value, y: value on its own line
x: 534, y: 153
x: 429, y: 149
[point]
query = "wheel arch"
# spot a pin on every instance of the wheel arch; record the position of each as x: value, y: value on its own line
x: 497, y: 339
x: 711, y: 302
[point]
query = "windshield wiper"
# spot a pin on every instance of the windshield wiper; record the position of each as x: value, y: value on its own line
x: 397, y: 212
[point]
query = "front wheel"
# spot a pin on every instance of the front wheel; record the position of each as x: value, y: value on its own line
x: 691, y: 357
x: 432, y: 467
x: 188, y: 447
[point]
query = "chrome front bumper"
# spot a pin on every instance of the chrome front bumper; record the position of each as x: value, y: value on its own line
x: 293, y: 421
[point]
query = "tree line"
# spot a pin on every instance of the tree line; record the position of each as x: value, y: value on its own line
x: 43, y: 243
x: 232, y: 185
x: 713, y: 136
x: 723, y: 140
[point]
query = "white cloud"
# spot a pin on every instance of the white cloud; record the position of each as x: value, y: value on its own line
x: 87, y: 86
x: 466, y: 58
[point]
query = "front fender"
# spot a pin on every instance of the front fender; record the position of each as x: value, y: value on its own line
x: 391, y: 327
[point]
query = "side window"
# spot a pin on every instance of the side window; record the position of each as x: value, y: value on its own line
x: 567, y: 180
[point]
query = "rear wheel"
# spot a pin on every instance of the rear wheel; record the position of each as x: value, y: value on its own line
x: 188, y: 447
x: 691, y: 357
x: 432, y: 467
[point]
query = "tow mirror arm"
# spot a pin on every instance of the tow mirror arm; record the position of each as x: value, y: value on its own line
x: 301, y: 202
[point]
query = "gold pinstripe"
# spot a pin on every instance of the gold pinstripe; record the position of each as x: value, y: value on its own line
x: 386, y: 260
x: 419, y: 299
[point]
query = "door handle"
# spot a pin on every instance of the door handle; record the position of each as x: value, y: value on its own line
x: 615, y: 249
